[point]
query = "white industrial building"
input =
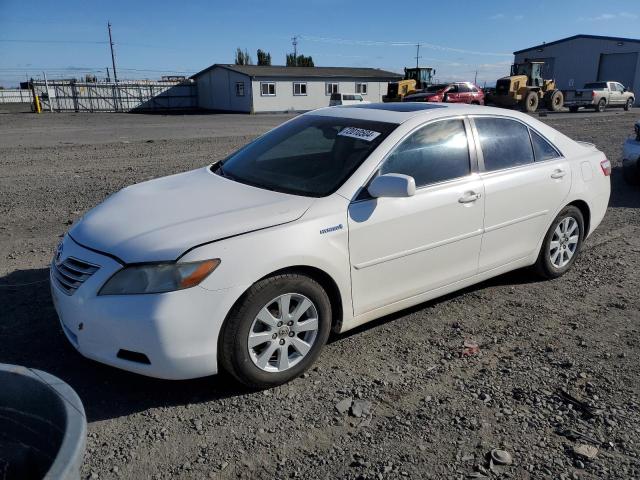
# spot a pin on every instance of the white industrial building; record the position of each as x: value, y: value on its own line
x: 256, y: 89
x: 576, y: 60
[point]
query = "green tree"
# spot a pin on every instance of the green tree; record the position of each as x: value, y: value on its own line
x: 264, y: 58
x: 243, y: 58
x: 300, y: 61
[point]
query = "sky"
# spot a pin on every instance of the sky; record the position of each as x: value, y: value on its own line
x: 69, y: 38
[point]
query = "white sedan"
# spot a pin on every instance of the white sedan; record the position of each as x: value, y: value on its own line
x: 335, y: 218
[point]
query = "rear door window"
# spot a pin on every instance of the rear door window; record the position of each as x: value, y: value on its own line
x: 505, y: 143
x: 435, y: 153
x: 542, y: 149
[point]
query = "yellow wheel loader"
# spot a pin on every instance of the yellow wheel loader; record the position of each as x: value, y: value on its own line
x: 526, y: 88
x: 414, y: 80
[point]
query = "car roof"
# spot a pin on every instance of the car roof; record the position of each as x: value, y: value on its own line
x: 400, y: 112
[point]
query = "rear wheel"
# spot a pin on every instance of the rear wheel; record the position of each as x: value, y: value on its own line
x: 556, y: 101
x: 530, y: 102
x: 561, y: 244
x: 601, y: 106
x: 628, y: 105
x: 276, y: 331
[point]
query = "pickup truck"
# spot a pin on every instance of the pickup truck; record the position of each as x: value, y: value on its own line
x: 599, y: 95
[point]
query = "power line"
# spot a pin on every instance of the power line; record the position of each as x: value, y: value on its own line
x: 375, y: 43
x: 11, y: 40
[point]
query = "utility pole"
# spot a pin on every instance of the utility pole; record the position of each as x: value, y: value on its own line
x: 295, y: 50
x: 46, y: 86
x: 113, y: 58
x: 475, y: 79
x: 108, y: 76
x: 418, y: 55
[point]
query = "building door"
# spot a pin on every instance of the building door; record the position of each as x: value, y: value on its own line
x: 618, y: 67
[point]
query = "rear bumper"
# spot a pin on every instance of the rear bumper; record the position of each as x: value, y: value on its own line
x: 578, y: 103
x: 177, y: 332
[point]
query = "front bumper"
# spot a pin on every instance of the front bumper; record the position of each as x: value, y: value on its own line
x: 176, y: 331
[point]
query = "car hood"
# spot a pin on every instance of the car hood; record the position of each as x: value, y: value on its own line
x: 160, y: 219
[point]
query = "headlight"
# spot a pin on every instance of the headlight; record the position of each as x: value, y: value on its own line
x: 158, y: 278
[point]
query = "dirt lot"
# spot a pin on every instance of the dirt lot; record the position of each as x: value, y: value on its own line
x: 418, y: 411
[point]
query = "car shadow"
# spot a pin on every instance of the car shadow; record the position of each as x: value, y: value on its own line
x: 30, y: 335
x: 523, y: 276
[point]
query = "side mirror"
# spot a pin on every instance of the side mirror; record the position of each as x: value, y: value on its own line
x: 392, y: 185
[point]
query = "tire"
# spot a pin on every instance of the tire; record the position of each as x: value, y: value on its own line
x: 551, y: 264
x: 573, y: 109
x: 628, y: 105
x: 242, y: 361
x: 556, y: 101
x: 601, y: 106
x: 530, y: 102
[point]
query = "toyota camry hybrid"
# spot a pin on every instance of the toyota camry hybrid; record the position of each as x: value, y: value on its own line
x: 335, y: 218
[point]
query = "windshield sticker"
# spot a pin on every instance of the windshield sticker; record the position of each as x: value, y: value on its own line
x: 359, y: 133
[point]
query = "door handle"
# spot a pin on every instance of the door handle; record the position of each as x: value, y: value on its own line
x: 469, y: 197
x: 558, y: 173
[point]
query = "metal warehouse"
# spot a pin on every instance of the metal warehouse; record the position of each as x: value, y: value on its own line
x: 576, y: 60
x: 254, y: 89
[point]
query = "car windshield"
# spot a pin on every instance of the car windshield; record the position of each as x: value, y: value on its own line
x: 311, y: 155
x: 436, y: 88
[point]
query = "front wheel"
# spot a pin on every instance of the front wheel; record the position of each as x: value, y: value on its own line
x: 561, y: 243
x: 530, y: 102
x: 556, y: 101
x: 276, y: 331
x: 628, y: 105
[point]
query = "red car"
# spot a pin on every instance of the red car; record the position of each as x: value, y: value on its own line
x: 457, y: 92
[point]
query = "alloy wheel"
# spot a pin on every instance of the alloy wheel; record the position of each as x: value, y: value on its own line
x: 283, y: 332
x: 564, y: 242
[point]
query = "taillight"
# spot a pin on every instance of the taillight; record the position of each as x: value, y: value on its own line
x: 605, y: 165
x: 593, y: 94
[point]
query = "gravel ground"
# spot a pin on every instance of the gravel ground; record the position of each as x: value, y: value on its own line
x: 557, y: 367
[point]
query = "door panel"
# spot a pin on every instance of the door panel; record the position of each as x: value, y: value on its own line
x: 525, y: 179
x: 520, y: 204
x: 401, y: 247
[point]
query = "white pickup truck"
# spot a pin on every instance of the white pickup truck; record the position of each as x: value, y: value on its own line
x: 599, y: 95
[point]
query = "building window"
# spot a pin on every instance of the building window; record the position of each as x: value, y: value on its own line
x: 267, y: 89
x: 361, y: 88
x: 331, y: 88
x: 299, y: 88
x: 239, y: 89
